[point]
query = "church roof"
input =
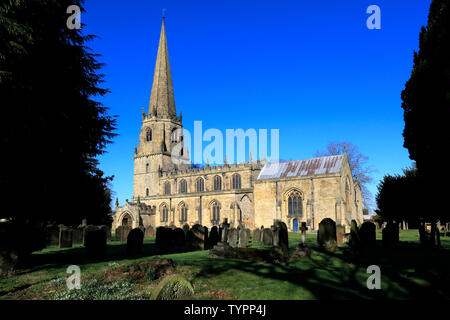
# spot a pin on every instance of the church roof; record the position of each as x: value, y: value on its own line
x: 162, y: 98
x: 299, y: 168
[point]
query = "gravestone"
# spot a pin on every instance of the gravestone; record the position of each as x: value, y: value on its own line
x: 77, y: 235
x: 107, y: 230
x: 65, y: 237
x: 243, y: 238
x: 196, y: 237
x: 159, y: 238
x: 135, y: 241
x: 280, y: 237
x: 267, y: 237
x: 179, y: 238
x: 302, y: 249
x: 326, y: 236
x: 214, y: 236
x: 367, y: 234
x: 249, y: 232
x: 52, y: 235
x: 122, y: 233
x: 206, y: 238
x: 233, y: 242
x: 354, y: 241
x: 95, y: 242
x: 256, y: 238
x: 340, y: 231
x: 149, y: 231
x: 390, y: 235
x: 173, y: 287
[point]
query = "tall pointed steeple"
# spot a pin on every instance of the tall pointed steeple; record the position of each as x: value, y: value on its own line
x: 162, y: 97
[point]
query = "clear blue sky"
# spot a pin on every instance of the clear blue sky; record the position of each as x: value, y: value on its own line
x: 311, y: 69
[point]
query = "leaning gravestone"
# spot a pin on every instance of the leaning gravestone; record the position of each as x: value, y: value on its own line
x: 243, y: 238
x: 173, y: 287
x: 196, y: 237
x: 390, y: 235
x: 77, y: 235
x: 267, y: 237
x: 326, y: 236
x: 95, y: 242
x: 367, y: 234
x: 149, y: 231
x: 135, y: 241
x: 233, y: 242
x: 256, y: 237
x: 52, y: 235
x: 283, y: 241
x: 65, y: 237
x: 340, y: 235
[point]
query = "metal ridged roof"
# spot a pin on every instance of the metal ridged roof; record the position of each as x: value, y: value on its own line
x: 299, y: 168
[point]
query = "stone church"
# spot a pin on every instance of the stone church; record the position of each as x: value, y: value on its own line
x: 252, y: 193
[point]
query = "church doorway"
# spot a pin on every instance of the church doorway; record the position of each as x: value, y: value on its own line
x: 126, y: 221
x: 295, y: 225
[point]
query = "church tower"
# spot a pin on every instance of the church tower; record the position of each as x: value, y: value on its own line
x: 159, y: 135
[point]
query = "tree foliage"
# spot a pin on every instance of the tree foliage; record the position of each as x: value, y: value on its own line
x: 426, y: 105
x: 361, y: 171
x: 53, y: 128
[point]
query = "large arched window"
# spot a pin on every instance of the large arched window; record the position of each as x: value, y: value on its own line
x: 236, y: 181
x: 217, y: 183
x: 183, y: 212
x: 295, y: 204
x: 167, y: 188
x: 215, y: 212
x: 148, y: 135
x: 200, y: 185
x: 164, y: 213
x: 183, y: 186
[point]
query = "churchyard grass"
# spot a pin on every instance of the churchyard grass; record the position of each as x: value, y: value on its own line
x: 406, y: 272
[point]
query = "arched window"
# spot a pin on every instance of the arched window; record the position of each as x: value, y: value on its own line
x: 167, y: 188
x: 295, y: 204
x: 183, y: 186
x: 174, y: 135
x: 146, y: 192
x: 183, y: 213
x: 164, y: 213
x: 148, y: 135
x: 236, y: 181
x: 215, y: 213
x: 147, y: 166
x: 217, y: 183
x: 200, y: 185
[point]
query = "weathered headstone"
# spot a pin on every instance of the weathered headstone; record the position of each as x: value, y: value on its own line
x: 340, y: 232
x: 256, y: 238
x: 354, y: 241
x: 173, y: 287
x: 122, y: 233
x: 206, y: 238
x: 135, y: 241
x: 326, y: 236
x: 95, y: 242
x: 160, y: 238
x: 52, y: 235
x: 243, y: 238
x: 77, y: 235
x: 107, y: 230
x: 267, y: 237
x: 149, y: 231
x: 280, y: 237
x: 185, y: 229
x: 196, y: 237
x: 65, y: 237
x: 367, y: 234
x: 233, y: 242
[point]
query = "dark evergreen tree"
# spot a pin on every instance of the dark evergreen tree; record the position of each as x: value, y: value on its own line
x: 52, y: 128
x: 426, y: 105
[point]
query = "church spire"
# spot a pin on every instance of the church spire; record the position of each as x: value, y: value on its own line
x: 162, y: 98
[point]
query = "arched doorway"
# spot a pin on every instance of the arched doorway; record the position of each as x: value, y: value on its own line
x: 295, y: 225
x: 127, y: 221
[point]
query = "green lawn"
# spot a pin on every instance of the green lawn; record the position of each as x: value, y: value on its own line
x: 406, y: 272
